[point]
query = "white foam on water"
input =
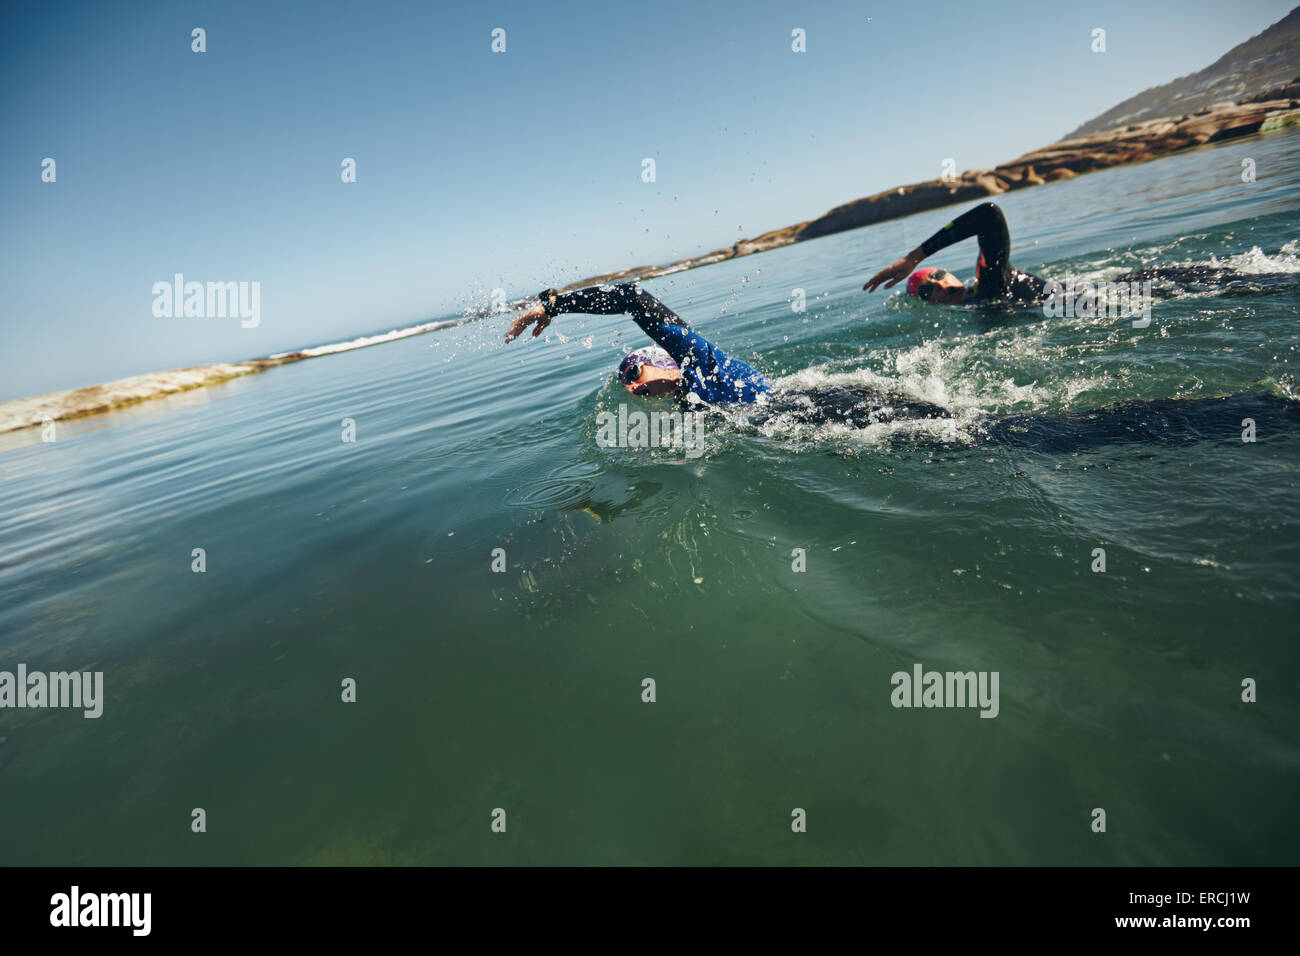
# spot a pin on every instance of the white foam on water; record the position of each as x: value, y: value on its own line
x: 1256, y: 261
x: 368, y: 340
x: 1253, y: 262
x: 786, y: 427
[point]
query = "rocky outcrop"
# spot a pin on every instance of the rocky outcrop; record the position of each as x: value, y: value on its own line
x: 1290, y: 91
x: 903, y: 201
x: 1266, y: 61
x: 1135, y: 143
x: 1139, y: 142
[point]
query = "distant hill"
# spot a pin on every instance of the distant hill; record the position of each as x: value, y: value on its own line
x: 1270, y: 59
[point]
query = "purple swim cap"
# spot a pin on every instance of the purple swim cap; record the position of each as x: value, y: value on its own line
x: 648, y: 356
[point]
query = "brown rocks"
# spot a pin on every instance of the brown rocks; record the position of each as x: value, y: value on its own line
x: 1290, y: 91
x: 986, y: 179
x: 1134, y: 143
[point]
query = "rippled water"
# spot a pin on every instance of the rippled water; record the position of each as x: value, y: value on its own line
x: 522, y: 690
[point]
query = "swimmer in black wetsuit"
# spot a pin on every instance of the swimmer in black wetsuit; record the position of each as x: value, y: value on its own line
x: 995, y: 278
x: 996, y: 281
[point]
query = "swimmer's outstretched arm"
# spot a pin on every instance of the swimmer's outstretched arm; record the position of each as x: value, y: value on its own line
x: 625, y: 299
x: 896, y: 273
x: 985, y: 221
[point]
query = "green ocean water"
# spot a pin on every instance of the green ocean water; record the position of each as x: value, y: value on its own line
x: 522, y: 690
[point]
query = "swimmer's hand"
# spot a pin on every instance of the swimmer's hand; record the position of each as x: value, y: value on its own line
x: 535, y: 314
x: 896, y: 273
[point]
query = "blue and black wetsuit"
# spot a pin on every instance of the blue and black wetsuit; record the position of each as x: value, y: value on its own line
x: 712, y: 377
x: 709, y: 374
x: 995, y: 279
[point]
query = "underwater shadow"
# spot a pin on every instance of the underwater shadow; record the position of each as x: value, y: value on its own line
x: 1170, y: 421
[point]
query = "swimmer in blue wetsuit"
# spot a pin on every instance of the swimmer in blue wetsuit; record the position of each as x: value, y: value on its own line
x: 694, y: 370
x: 690, y: 367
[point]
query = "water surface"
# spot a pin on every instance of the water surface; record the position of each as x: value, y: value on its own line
x: 522, y: 690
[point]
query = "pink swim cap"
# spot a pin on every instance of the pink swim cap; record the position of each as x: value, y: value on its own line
x: 916, y: 278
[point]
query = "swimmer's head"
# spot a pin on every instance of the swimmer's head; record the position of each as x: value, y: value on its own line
x: 936, y: 285
x: 916, y: 278
x: 649, y: 371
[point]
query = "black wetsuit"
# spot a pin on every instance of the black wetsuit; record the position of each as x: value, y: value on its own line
x: 1167, y: 279
x: 995, y: 279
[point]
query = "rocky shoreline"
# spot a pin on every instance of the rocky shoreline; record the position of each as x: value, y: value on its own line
x: 1136, y: 143
x: 95, y: 399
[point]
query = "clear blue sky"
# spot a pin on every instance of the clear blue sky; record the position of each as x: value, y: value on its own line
x: 479, y: 170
